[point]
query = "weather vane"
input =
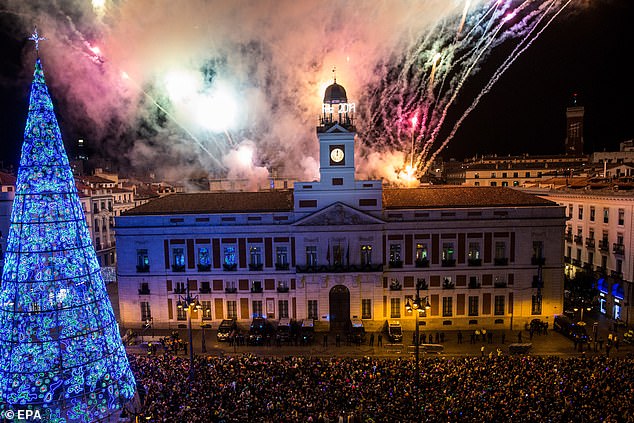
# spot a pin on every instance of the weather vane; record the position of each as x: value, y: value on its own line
x: 36, y: 38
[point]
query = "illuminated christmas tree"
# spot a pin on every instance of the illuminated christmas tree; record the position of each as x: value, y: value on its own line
x: 60, y: 349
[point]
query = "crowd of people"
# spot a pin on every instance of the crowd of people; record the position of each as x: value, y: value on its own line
x: 452, y: 389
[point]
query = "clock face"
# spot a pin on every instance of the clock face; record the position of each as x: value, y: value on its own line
x: 336, y: 155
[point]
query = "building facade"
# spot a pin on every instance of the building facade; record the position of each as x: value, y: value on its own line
x: 339, y: 249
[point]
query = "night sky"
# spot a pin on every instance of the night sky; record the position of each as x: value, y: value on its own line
x: 583, y: 52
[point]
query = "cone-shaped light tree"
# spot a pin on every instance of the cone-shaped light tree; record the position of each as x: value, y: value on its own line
x: 61, y: 353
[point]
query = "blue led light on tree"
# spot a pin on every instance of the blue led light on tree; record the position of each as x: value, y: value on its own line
x: 60, y: 348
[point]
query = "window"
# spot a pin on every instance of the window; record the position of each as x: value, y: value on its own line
x: 447, y: 306
x: 312, y: 309
x: 538, y: 249
x: 592, y: 213
x: 536, y: 307
x: 311, y: 255
x: 366, y: 308
x: 500, y: 249
x: 570, y: 210
x: 528, y: 174
x: 96, y: 226
x: 366, y: 255
x: 494, y: 184
x: 476, y: 176
x: 281, y: 254
x: 395, y: 253
x: 504, y: 175
x: 283, y: 308
x: 146, y: 315
x: 181, y: 313
x: 606, y: 215
x: 474, y: 251
x: 229, y: 255
x: 255, y: 256
x: 447, y: 251
x: 477, y: 183
x: 516, y: 174
x: 337, y: 253
x: 232, y: 310
x: 178, y: 259
x: 498, y: 305
x: 580, y: 212
x: 204, y: 259
x: 474, y: 305
x: 621, y: 217
x: 257, y: 308
x: 142, y: 261
x: 206, y: 310
x: 395, y: 308
x: 421, y: 252
x: 492, y: 174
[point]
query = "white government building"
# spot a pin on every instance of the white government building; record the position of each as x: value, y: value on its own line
x: 341, y: 249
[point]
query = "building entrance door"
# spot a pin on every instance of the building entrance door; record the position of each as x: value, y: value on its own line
x: 339, y: 307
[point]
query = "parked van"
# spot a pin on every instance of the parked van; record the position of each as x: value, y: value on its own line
x: 307, y: 331
x: 394, y: 331
x: 570, y: 329
x: 284, y: 329
x: 225, y: 329
x: 356, y: 331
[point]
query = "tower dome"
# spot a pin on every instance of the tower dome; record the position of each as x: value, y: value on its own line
x: 335, y: 94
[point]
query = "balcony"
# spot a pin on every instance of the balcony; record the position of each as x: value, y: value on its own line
x: 616, y: 275
x: 601, y: 271
x: 422, y: 284
x: 618, y: 249
x: 500, y: 284
x: 144, y: 291
x: 231, y: 290
x: 568, y: 236
x: 282, y: 266
x: 282, y: 289
x: 178, y: 268
x: 257, y: 289
x: 448, y: 263
x: 256, y: 267
x: 422, y: 263
x: 576, y: 262
x: 339, y: 268
x: 604, y: 245
x: 145, y: 268
x: 204, y: 267
x: 578, y: 239
x: 537, y: 282
x: 590, y: 243
x: 474, y: 285
x: 538, y: 261
x: 501, y: 261
x: 232, y: 267
x: 474, y: 262
x: 447, y: 284
x: 396, y: 264
x: 206, y: 290
x: 395, y: 286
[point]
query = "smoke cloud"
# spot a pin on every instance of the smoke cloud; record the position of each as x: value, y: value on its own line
x: 182, y: 87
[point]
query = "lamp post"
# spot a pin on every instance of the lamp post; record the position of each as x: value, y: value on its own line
x: 188, y: 303
x: 417, y: 305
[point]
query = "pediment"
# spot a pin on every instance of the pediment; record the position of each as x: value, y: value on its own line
x: 336, y: 128
x: 338, y: 214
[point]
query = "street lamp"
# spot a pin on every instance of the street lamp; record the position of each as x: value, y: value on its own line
x: 417, y: 305
x: 188, y: 303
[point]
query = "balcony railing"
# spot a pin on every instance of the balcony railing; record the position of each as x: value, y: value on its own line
x: 283, y: 289
x: 590, y: 243
x: 142, y: 268
x: 395, y: 264
x: 604, y: 245
x: 448, y: 284
x: 204, y: 267
x: 178, y: 290
x: 396, y: 286
x: 616, y: 275
x: 474, y: 285
x: 282, y: 266
x: 231, y: 290
x: 578, y: 239
x: 178, y: 268
x: 448, y: 263
x: 568, y: 236
x: 144, y: 291
x: 474, y: 262
x: 230, y: 267
x: 500, y: 284
x: 600, y: 270
x: 422, y: 263
x: 538, y: 261
x: 256, y: 267
x: 501, y: 261
x: 257, y: 289
x: 205, y: 290
x: 618, y: 249
x: 576, y: 262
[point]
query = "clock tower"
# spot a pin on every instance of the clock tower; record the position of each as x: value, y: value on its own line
x: 336, y: 138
